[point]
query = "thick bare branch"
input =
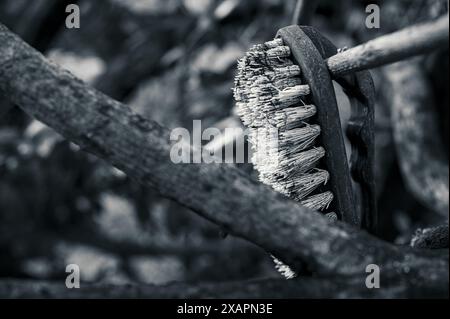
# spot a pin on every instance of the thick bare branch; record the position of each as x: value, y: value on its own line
x: 220, y: 193
x: 419, y: 146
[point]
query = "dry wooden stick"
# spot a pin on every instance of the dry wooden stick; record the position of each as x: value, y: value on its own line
x: 393, y: 47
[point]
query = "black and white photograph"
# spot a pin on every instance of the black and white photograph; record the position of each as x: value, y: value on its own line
x: 224, y: 154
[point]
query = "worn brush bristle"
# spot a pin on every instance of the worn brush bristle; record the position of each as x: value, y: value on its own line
x: 283, y: 269
x: 319, y: 201
x: 291, y: 117
x: 270, y: 101
x: 332, y: 216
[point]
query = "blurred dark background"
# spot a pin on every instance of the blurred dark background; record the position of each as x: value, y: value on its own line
x: 172, y: 61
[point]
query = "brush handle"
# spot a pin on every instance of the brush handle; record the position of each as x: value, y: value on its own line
x: 314, y: 72
x: 310, y: 49
x: 360, y: 91
x: 393, y: 47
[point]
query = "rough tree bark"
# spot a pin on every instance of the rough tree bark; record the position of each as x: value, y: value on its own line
x: 36, y: 22
x: 431, y: 238
x: 218, y: 192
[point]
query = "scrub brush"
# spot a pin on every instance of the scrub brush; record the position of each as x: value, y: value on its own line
x: 285, y: 96
x: 273, y: 103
